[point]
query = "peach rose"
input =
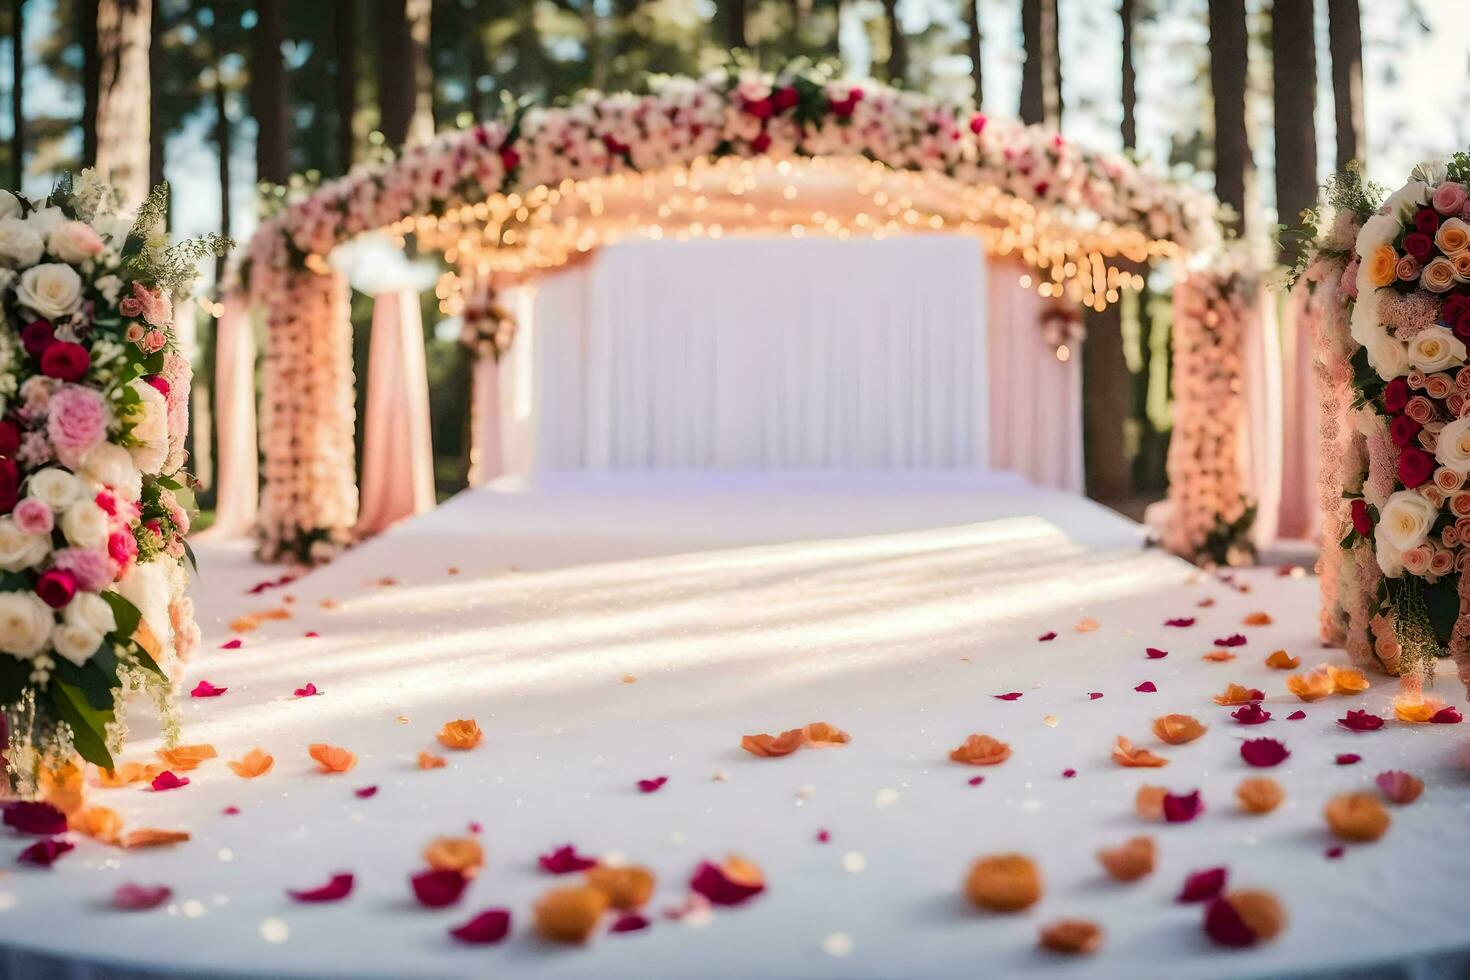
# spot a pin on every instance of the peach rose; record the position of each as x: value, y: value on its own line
x: 1441, y: 563
x: 1439, y: 275
x: 1383, y: 265
x: 1461, y: 262
x: 1460, y: 506
x: 1420, y: 409
x: 1448, y: 480
x: 1407, y: 268
x: 1438, y: 386
x: 1416, y: 560
x: 1453, y: 236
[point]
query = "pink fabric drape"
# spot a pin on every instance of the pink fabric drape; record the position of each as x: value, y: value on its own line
x: 1300, y: 515
x: 237, y: 461
x: 487, y: 455
x: 1035, y: 399
x: 397, y: 452
x: 1260, y: 361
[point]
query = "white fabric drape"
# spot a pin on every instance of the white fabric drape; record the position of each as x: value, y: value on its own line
x: 762, y: 354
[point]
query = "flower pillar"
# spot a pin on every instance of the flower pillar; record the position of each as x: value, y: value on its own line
x: 309, y: 501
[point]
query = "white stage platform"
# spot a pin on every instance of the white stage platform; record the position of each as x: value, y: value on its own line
x: 608, y: 629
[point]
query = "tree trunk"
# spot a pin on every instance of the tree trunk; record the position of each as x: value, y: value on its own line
x: 1041, y: 78
x: 1234, y: 166
x: 157, y: 130
x: 592, y: 26
x: 344, y: 36
x: 268, y: 94
x: 123, y: 103
x: 1345, y: 41
x: 1128, y: 91
x: 731, y: 14
x: 405, y: 96
x: 225, y: 143
x: 87, y: 34
x: 1294, y: 68
x: 17, y: 96
x: 972, y: 47
x: 898, y: 45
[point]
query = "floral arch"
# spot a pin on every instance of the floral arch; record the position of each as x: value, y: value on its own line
x: 797, y: 152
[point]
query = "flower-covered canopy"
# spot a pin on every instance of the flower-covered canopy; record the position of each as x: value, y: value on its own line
x: 796, y: 152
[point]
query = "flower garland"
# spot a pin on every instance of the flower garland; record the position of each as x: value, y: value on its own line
x: 93, y: 503
x: 487, y: 328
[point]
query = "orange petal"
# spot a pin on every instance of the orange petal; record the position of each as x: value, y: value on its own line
x: 1004, y: 883
x: 1357, y: 817
x: 627, y: 888
x: 1072, y: 937
x: 1087, y: 625
x: 819, y: 735
x: 61, y: 786
x: 428, y: 760
x: 126, y: 774
x: 1150, y: 802
x: 773, y: 746
x: 1235, y: 694
x: 569, y: 915
x: 182, y: 758
x: 462, y: 854
x: 97, y: 822
x: 981, y: 750
x: 1219, y: 656
x: 1258, y: 619
x: 1178, y: 729
x: 153, y: 837
x: 1128, y: 861
x: 1263, y: 914
x: 1281, y: 660
x: 1259, y: 795
x: 1415, y: 710
x: 1348, y: 680
x: 1125, y: 753
x: 331, y: 758
x: 1310, y: 687
x: 253, y: 763
x: 462, y: 734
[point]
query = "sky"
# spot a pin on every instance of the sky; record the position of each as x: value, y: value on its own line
x: 1416, y: 84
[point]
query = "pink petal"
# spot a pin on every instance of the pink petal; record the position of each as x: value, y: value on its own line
x: 140, y: 898
x: 338, y: 888
x: 1398, y: 786
x: 439, y: 888
x: 823, y: 837
x: 234, y: 644
x: 1147, y: 687
x: 167, y: 780
x: 1225, y: 926
x: 1263, y: 752
x: 1448, y: 715
x: 629, y: 922
x: 1154, y: 653
x: 652, y: 785
x: 1360, y: 721
x: 474, y: 827
x: 1068, y: 773
x: 1233, y: 640
x: 1180, y: 622
x: 231, y: 811
x: 204, y: 689
x: 41, y: 819
x: 1348, y: 758
x: 309, y: 691
x: 711, y: 882
x: 1047, y: 637
x: 1296, y: 715
x: 565, y: 860
x: 1094, y: 695
x: 1010, y: 696
x: 1251, y: 713
x: 366, y: 792
x: 1201, y: 885
x: 44, y: 852
x: 311, y: 634
x: 490, y: 926
x: 1182, y: 809
x: 976, y: 780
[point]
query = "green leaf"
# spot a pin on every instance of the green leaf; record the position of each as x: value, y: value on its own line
x: 88, y: 725
x: 127, y: 615
x: 89, y: 680
x: 189, y: 554
x: 15, y: 677
x: 1442, y: 600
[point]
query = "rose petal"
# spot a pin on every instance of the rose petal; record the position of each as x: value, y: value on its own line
x: 1128, y: 861
x: 1310, y: 687
x: 730, y: 883
x: 185, y: 758
x: 428, y: 760
x: 331, y: 758
x: 1233, y: 640
x: 1182, y: 809
x: 1263, y: 752
x: 1281, y: 660
x: 462, y: 734
x: 1147, y: 687
x: 1094, y: 695
x: 338, y: 887
x: 365, y: 792
x: 1259, y: 795
x: 1296, y: 715
x: 1069, y: 773
x: 1399, y: 787
x: 166, y: 780
x: 981, y: 750
x: 1180, y: 622
x: 1202, y: 885
x: 234, y: 644
x: 823, y: 836
x: 1224, y: 925
x: 1047, y: 637
x: 490, y: 926
x: 1357, y: 817
x: 1258, y: 619
x: 1235, y: 694
x: 145, y: 837
x: 140, y: 898
x: 1448, y: 715
x: 652, y: 785
x: 629, y: 922
x: 41, y: 819
x: 1154, y: 653
x: 204, y: 689
x: 1334, y: 852
x: 1087, y: 625
x: 1360, y: 721
x: 774, y: 746
x: 975, y: 780
x: 1348, y: 758
x: 252, y: 764
x: 43, y: 853
x: 1011, y: 696
x: 1348, y: 680
x: 1218, y: 657
x: 308, y: 691
x: 820, y: 735
x: 1251, y: 713
x: 1177, y: 729
x: 231, y: 811
x: 565, y: 860
x: 1125, y: 753
x: 438, y: 888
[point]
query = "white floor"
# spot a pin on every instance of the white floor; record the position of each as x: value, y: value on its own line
x: 894, y: 608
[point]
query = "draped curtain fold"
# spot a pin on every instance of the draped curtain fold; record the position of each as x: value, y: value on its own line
x: 237, y: 462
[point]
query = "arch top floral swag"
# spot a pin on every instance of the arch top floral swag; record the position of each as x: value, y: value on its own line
x: 496, y: 198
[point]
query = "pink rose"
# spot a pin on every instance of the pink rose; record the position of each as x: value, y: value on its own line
x: 1449, y: 198
x: 34, y: 517
x: 93, y: 569
x: 122, y: 547
x: 77, y: 420
x: 56, y: 587
x: 152, y: 305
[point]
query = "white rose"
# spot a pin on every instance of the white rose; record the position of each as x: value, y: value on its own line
x: 149, y: 421
x: 1453, y: 446
x: 19, y: 550
x: 1405, y: 202
x: 1436, y: 349
x: 45, y: 220
x: 1379, y: 229
x: 110, y: 465
x: 1405, y: 520
x: 9, y: 205
x: 54, y: 487
x: 90, y: 611
x: 19, y: 243
x: 1389, y: 559
x: 146, y: 586
x: 1388, y: 357
x: 52, y: 290
x: 76, y: 643
x: 74, y: 241
x: 113, y: 227
x: 25, y: 624
x: 85, y: 525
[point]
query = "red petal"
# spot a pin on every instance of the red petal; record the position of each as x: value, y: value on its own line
x: 1348, y: 758
x: 1010, y: 696
x: 1181, y: 621
x: 490, y: 926
x: 565, y: 860
x: 1335, y: 852
x: 1201, y: 885
x: 652, y: 785
x: 1225, y: 926
x: 140, y: 898
x: 365, y: 792
x: 41, y: 819
x: 309, y: 691
x: 1263, y: 752
x: 234, y: 644
x: 439, y: 888
x: 1251, y: 713
x: 1233, y: 640
x: 167, y: 780
x: 1361, y: 721
x: 1147, y: 687
x: 1296, y: 715
x: 204, y: 689
x: 976, y: 780
x: 231, y: 811
x: 1154, y: 653
x: 1047, y: 637
x: 1093, y: 695
x: 711, y: 881
x: 1182, y: 809
x: 1448, y: 715
x: 823, y: 836
x: 338, y: 888
x: 1068, y: 773
x: 44, y: 852
x: 629, y: 922
x: 311, y: 634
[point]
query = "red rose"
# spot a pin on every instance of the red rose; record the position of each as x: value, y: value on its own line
x: 509, y: 158
x: 1426, y: 222
x: 36, y: 336
x: 760, y: 108
x: 1362, y: 520
x: 762, y: 142
x: 1419, y: 245
x: 56, y: 587
x: 1396, y: 395
x: 977, y: 124
x: 158, y: 383
x: 1456, y: 314
x: 785, y: 98
x: 1404, y: 431
x: 66, y: 361
x: 9, y: 438
x: 9, y: 485
x: 1415, y: 467
x: 613, y: 145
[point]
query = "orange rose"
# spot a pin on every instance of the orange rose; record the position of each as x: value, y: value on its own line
x: 1383, y: 265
